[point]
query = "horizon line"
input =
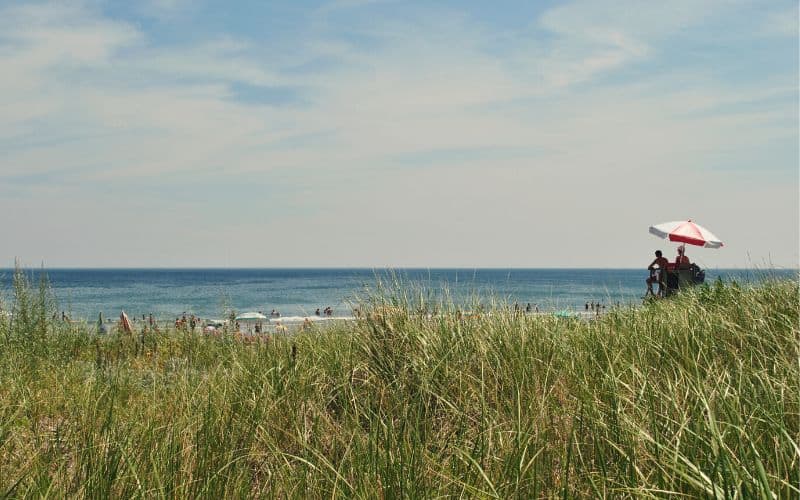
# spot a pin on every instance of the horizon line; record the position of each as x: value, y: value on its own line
x: 356, y: 268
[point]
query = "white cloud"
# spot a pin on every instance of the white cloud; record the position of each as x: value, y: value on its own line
x: 164, y: 9
x: 785, y: 22
x: 48, y: 36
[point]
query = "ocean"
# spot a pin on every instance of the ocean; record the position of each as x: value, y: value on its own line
x: 213, y: 293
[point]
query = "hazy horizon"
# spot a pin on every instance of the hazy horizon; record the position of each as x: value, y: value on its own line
x: 366, y: 268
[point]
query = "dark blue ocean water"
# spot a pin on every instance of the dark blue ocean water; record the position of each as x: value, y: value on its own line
x: 210, y: 293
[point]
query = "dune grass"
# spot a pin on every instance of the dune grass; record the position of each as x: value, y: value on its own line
x: 696, y: 396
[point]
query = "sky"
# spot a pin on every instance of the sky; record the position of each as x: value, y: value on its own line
x: 358, y: 133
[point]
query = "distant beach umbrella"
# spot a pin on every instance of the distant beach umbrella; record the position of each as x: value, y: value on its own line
x: 686, y: 231
x: 251, y: 316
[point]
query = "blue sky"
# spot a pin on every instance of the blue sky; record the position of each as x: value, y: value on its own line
x: 382, y: 133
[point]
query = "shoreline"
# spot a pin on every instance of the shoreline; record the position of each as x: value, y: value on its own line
x: 294, y: 324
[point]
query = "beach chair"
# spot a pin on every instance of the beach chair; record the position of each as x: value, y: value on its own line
x: 677, y: 279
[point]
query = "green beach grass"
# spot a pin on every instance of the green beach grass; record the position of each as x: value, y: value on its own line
x: 694, y: 396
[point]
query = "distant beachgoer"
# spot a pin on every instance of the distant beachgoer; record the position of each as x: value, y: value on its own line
x: 317, y: 312
x: 586, y: 306
x: 528, y: 308
x: 656, y: 268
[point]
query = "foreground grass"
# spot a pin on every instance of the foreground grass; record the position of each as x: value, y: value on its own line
x: 696, y: 396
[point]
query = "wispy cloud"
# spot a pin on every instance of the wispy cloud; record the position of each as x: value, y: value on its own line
x: 783, y: 22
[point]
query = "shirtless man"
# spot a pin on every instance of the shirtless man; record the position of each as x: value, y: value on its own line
x: 656, y: 269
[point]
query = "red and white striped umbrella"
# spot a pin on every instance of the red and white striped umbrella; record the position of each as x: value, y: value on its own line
x: 686, y: 231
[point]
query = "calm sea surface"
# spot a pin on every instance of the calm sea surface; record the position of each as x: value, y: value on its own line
x: 167, y: 293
